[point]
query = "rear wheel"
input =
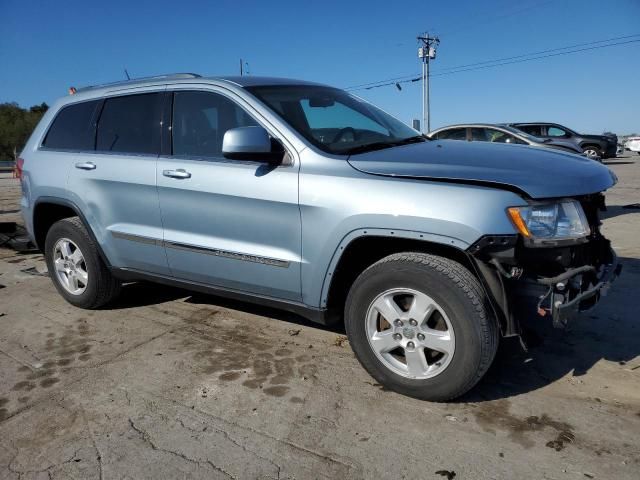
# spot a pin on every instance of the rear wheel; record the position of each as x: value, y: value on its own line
x: 419, y: 324
x: 75, y: 266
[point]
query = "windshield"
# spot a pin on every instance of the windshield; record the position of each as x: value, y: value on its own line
x: 335, y: 121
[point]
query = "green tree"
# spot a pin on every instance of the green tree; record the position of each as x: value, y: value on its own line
x: 16, y: 124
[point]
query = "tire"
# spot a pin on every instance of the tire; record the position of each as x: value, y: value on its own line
x: 592, y: 152
x: 100, y: 286
x: 461, y: 305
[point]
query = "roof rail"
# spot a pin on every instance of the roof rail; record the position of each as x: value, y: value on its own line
x: 168, y: 76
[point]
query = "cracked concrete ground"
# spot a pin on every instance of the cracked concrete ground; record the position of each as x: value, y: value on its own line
x: 170, y: 384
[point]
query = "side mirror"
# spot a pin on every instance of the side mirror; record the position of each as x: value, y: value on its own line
x: 249, y: 143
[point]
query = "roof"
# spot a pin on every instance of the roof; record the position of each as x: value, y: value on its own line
x: 251, y: 81
x: 480, y: 125
x: 241, y: 81
x: 532, y: 123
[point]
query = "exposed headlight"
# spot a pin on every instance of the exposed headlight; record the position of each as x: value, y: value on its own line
x: 564, y: 220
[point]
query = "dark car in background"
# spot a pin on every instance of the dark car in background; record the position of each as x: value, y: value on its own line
x: 593, y: 146
x: 486, y: 132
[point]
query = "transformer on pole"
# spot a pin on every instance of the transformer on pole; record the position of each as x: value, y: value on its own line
x: 426, y: 52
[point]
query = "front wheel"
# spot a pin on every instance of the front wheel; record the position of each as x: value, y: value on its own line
x: 420, y: 325
x: 592, y: 152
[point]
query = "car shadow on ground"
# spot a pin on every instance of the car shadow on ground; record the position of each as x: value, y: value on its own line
x: 141, y: 294
x: 618, y: 210
x: 617, y: 162
x: 610, y: 332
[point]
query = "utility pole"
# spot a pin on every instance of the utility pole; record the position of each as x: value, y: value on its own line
x: 426, y: 53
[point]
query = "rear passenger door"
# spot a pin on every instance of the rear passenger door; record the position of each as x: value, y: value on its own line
x: 233, y: 224
x: 114, y: 184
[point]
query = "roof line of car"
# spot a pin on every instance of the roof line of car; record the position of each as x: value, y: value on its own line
x: 178, y: 78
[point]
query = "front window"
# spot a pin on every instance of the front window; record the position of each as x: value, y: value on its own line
x: 335, y: 121
x: 556, y: 132
x: 200, y: 120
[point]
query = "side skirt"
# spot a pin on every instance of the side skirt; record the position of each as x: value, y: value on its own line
x: 316, y: 315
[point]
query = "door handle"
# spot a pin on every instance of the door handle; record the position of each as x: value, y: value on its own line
x: 179, y: 173
x: 86, y: 166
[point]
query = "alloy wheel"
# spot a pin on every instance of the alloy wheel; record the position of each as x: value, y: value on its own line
x: 70, y: 266
x: 410, y: 333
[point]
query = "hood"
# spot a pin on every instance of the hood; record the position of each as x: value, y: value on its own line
x: 538, y: 173
x: 601, y: 138
x: 570, y: 144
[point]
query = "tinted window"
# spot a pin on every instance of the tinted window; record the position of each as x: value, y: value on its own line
x: 453, y: 134
x: 479, y: 135
x: 556, y: 132
x: 534, y: 130
x: 130, y: 124
x: 200, y: 120
x: 73, y: 128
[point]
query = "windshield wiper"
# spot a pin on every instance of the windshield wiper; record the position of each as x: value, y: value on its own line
x: 369, y: 147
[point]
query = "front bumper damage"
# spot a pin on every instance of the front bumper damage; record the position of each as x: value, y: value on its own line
x: 555, y: 280
x: 570, y: 293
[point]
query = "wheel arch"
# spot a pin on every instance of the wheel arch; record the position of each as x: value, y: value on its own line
x: 358, y: 252
x: 49, y: 210
x: 591, y: 143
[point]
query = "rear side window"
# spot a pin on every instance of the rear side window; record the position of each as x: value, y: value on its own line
x: 535, y: 130
x: 130, y: 124
x: 73, y: 128
x: 453, y: 134
x: 479, y: 135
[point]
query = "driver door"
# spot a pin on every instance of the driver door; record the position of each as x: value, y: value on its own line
x: 233, y: 224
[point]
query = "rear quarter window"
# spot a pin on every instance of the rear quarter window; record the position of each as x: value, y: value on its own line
x: 73, y: 127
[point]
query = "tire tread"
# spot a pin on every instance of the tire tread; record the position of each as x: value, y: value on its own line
x: 107, y: 286
x: 469, y: 284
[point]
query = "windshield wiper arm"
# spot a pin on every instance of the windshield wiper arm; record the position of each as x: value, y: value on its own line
x: 369, y: 147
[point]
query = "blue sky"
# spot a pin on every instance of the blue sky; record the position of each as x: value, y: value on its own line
x: 47, y: 46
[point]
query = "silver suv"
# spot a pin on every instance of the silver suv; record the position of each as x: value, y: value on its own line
x: 304, y: 197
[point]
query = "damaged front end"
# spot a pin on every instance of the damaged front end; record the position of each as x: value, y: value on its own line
x: 564, y: 275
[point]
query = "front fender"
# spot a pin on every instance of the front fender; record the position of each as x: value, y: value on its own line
x: 380, y: 232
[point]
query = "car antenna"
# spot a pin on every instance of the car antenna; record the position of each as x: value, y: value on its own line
x: 127, y: 74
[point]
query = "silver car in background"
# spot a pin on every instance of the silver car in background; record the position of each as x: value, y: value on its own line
x: 497, y: 133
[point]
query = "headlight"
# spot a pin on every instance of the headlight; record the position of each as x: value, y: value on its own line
x: 563, y: 220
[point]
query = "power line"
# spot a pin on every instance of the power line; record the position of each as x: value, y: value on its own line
x: 535, y: 58
x: 493, y: 17
x: 543, y: 52
x: 501, y: 62
x: 394, y: 79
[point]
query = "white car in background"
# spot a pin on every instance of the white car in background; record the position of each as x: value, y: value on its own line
x: 633, y: 144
